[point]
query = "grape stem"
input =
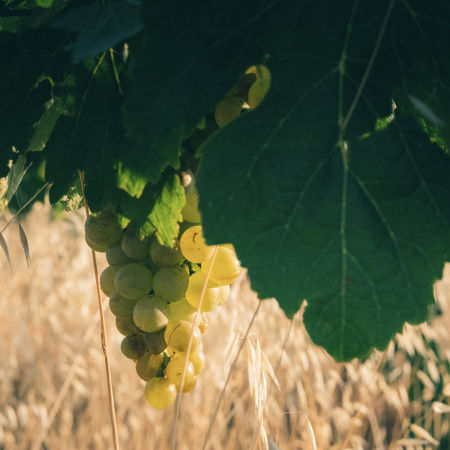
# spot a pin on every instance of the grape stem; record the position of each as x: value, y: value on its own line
x: 112, y: 412
x: 188, y: 351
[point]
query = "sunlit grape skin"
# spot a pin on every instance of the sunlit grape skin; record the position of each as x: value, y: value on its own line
x: 193, y: 246
x: 174, y: 372
x: 181, y: 310
x: 177, y: 336
x: 193, y: 294
x: 198, y: 360
x: 160, y: 393
x: 226, y: 267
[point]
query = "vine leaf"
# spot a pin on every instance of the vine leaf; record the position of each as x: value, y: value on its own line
x: 180, y: 79
x: 100, y: 26
x: 331, y: 214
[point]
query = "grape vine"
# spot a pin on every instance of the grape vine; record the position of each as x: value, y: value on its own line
x: 311, y: 135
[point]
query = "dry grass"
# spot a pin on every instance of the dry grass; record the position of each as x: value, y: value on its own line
x: 52, y: 380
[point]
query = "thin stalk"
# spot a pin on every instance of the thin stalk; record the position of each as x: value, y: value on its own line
x: 112, y: 412
x: 219, y: 401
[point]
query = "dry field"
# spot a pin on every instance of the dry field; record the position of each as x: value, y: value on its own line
x: 52, y: 380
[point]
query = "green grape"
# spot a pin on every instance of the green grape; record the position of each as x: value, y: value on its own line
x: 116, y: 256
x: 147, y: 366
x: 224, y: 293
x: 193, y: 247
x: 170, y: 283
x: 150, y: 313
x: 120, y: 306
x: 260, y: 71
x: 102, y: 230
x: 174, y: 372
x: 165, y: 256
x: 258, y: 90
x: 226, y: 267
x: 133, y: 281
x: 155, y: 342
x: 160, y: 393
x: 126, y: 326
x: 133, y: 346
x: 177, y: 336
x: 181, y: 310
x: 227, y: 110
x: 190, y: 211
x: 95, y: 247
x: 198, y: 360
x: 107, y: 280
x: 194, y: 291
x: 134, y: 247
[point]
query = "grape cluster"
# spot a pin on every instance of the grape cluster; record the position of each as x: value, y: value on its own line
x: 155, y: 292
x: 248, y: 93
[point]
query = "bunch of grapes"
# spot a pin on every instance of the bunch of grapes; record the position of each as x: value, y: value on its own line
x: 247, y: 94
x: 155, y: 292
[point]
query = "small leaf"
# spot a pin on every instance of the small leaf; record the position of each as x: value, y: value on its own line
x: 5, y: 249
x: 24, y: 242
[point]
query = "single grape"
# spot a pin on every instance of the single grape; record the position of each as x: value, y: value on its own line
x: 102, y: 229
x: 181, y: 310
x: 95, y: 247
x: 150, y: 313
x: 227, y: 110
x: 198, y: 359
x: 226, y: 267
x: 224, y: 293
x: 155, y: 342
x: 165, y: 256
x: 116, y: 256
x: 134, y: 247
x: 177, y: 336
x: 190, y: 211
x: 193, y: 247
x: 170, y: 283
x: 120, y: 306
x: 258, y: 90
x: 133, y: 280
x: 147, y: 366
x: 261, y: 71
x: 160, y: 393
x: 174, y: 372
x: 126, y: 326
x: 133, y: 346
x: 212, y: 293
x: 107, y: 280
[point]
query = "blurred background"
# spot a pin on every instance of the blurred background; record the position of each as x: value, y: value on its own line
x: 283, y: 393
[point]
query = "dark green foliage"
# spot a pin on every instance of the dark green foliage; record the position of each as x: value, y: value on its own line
x: 334, y: 189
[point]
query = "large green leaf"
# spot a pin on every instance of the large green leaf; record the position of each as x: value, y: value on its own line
x: 187, y: 62
x: 320, y: 206
x: 100, y: 26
